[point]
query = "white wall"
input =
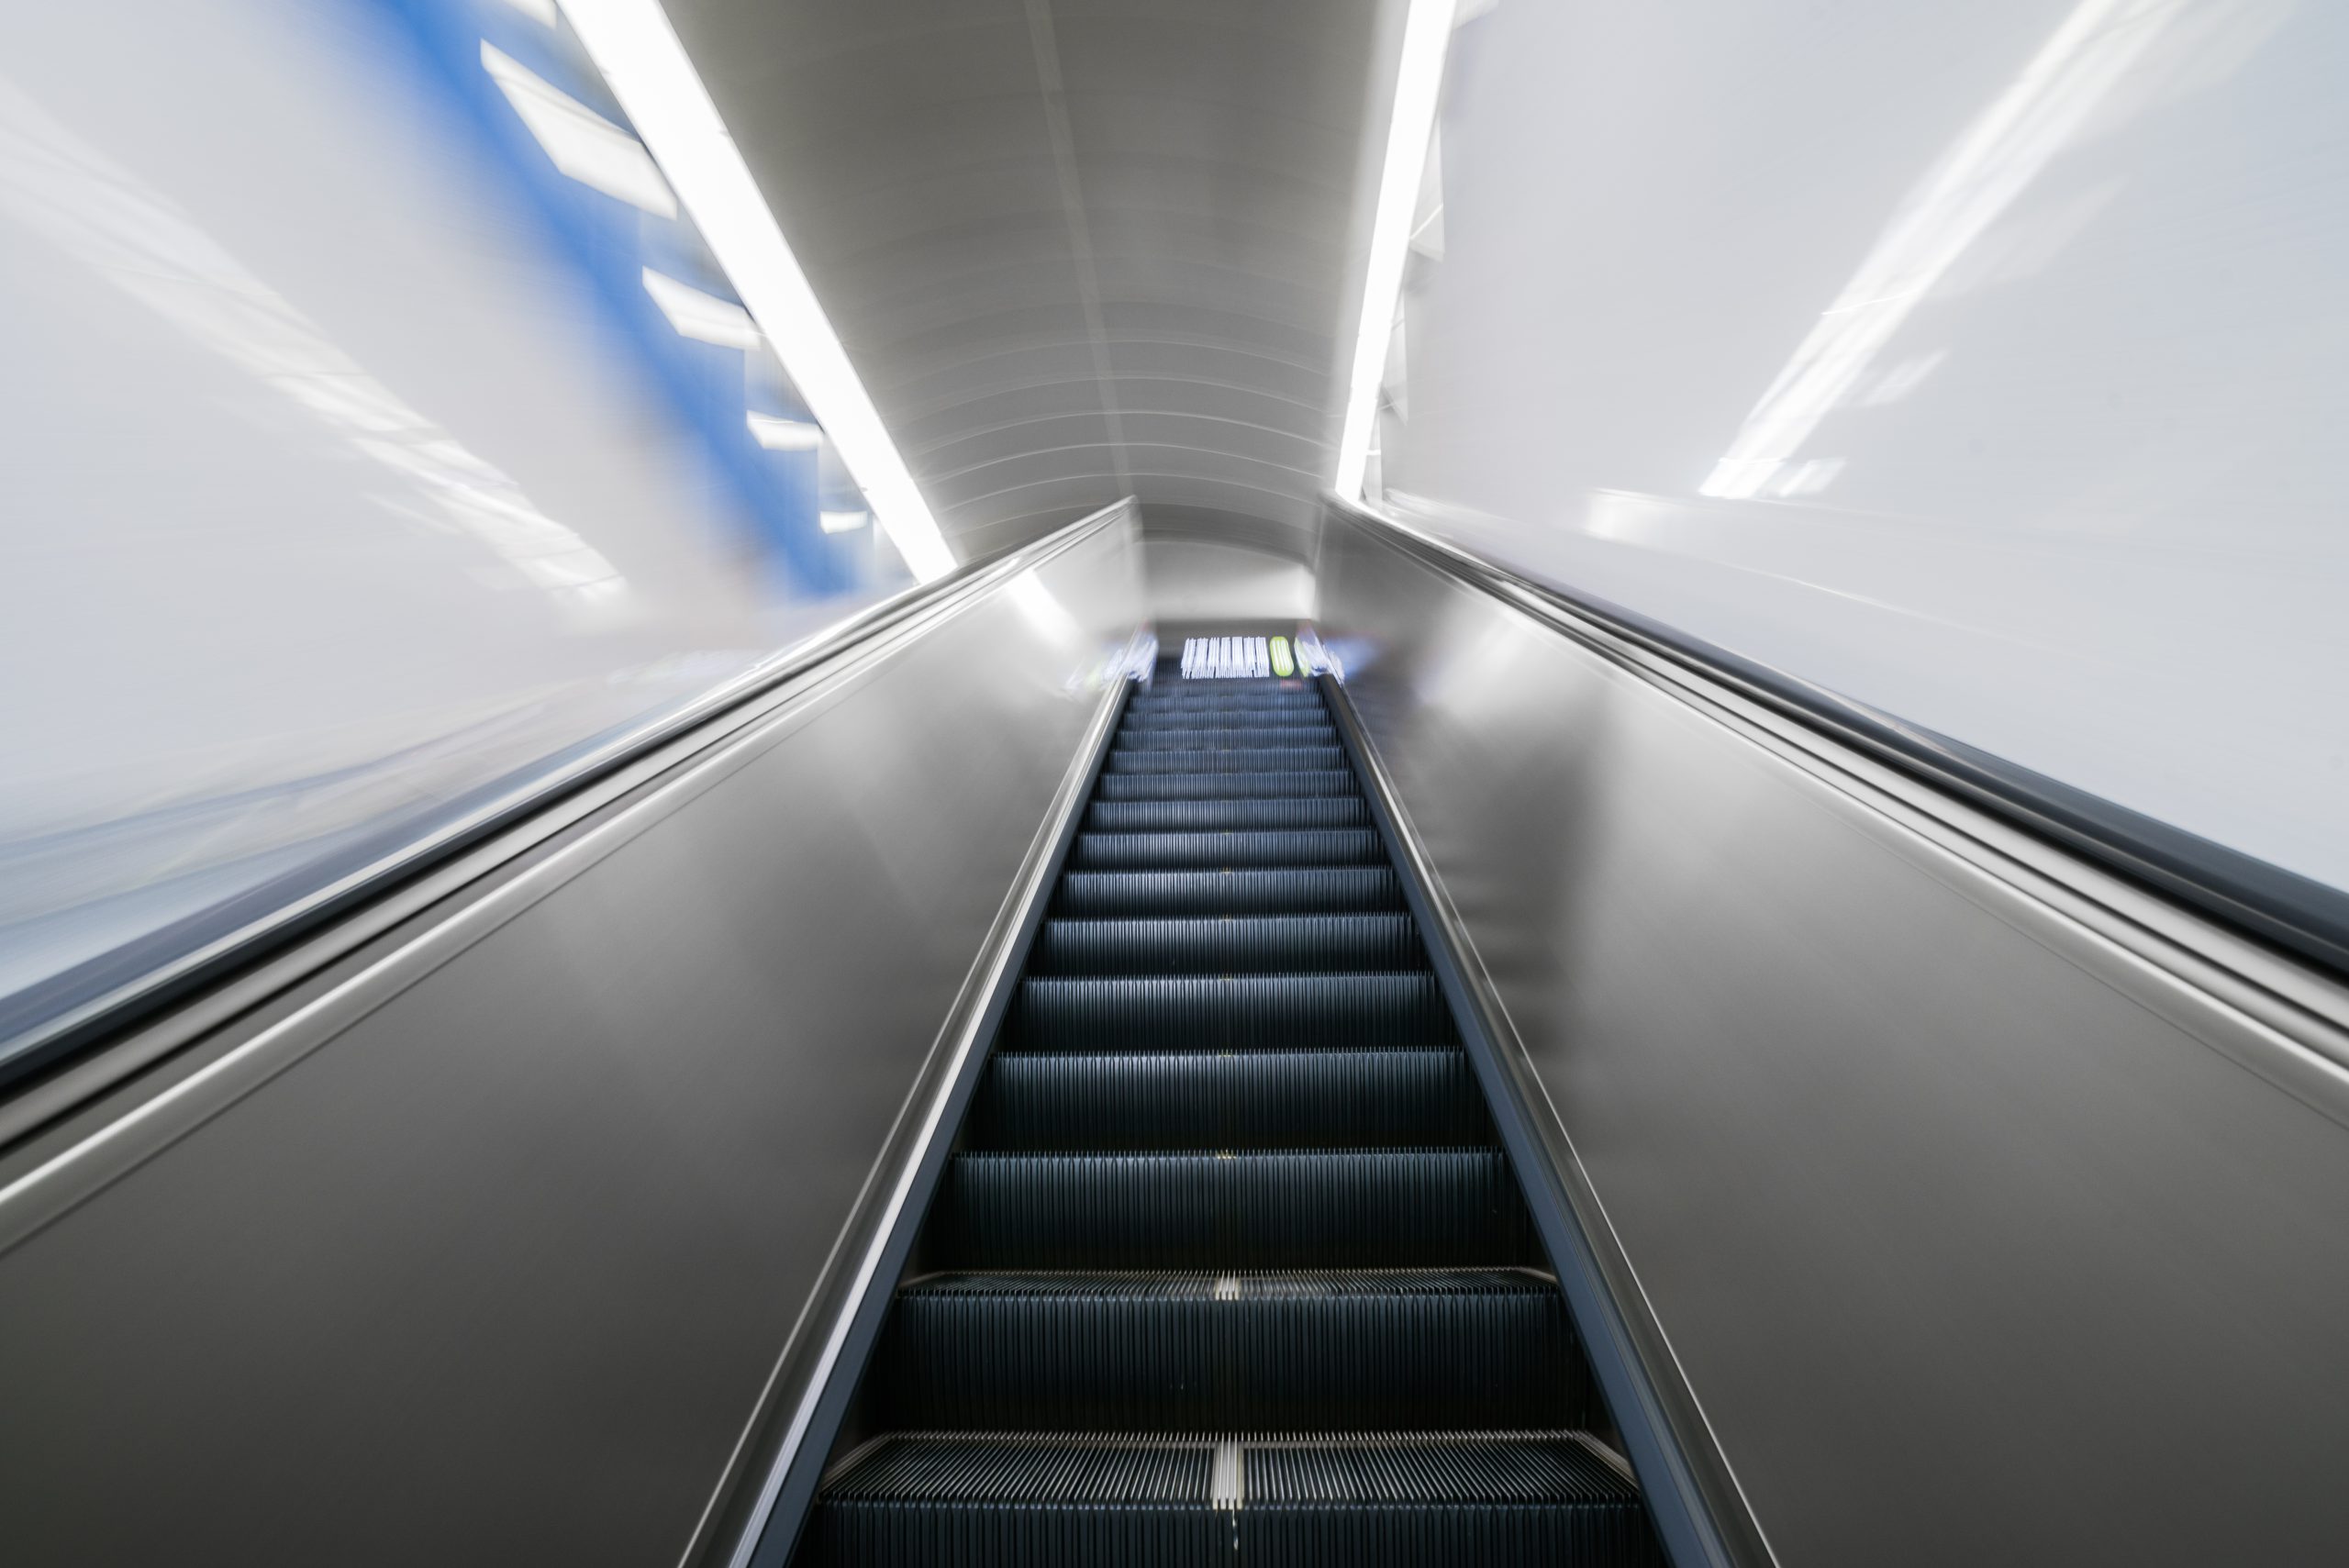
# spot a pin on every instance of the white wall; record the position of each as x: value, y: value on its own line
x: 326, y: 498
x: 1987, y: 363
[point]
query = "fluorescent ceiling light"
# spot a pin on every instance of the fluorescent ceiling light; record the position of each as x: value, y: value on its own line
x: 704, y: 317
x: 583, y: 143
x: 638, y: 51
x: 842, y: 522
x: 780, y: 435
x: 1427, y: 34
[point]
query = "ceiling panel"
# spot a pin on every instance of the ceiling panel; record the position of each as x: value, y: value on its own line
x: 1135, y: 284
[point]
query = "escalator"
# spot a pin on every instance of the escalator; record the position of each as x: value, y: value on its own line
x: 1228, y: 1263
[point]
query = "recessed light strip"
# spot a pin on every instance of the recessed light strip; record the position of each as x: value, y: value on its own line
x: 639, y: 52
x: 1427, y: 34
x: 778, y: 434
x: 704, y: 317
x: 578, y: 141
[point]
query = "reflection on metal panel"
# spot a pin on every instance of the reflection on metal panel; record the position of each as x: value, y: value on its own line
x: 382, y: 443
x: 485, y: 1251
x: 1986, y: 1205
x: 2016, y: 415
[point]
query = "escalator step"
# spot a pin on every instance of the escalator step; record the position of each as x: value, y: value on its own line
x: 1280, y: 721
x: 1273, y: 707
x: 1045, y: 1101
x: 1302, y: 712
x: 1508, y: 1500
x: 1179, y: 851
x: 1226, y: 786
x: 1321, y: 1209
x: 1234, y: 759
x: 1304, y: 890
x: 1300, y: 717
x: 1252, y: 944
x: 1204, y: 739
x: 1170, y: 681
x: 975, y: 1504
x: 1280, y: 1012
x: 1500, y: 1501
x: 1222, y: 816
x: 1227, y: 694
x: 1348, y: 1350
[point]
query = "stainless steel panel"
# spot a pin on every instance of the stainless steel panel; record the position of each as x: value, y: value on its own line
x: 1990, y: 1211
x: 488, y: 1251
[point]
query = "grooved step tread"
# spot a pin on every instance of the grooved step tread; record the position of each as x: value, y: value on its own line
x: 1234, y: 1012
x: 1230, y: 760
x: 1284, y: 696
x: 1220, y: 816
x: 1361, y: 1468
x: 1216, y: 785
x: 1279, y: 729
x: 1228, y: 944
x: 1327, y: 1501
x: 1288, y: 890
x: 1218, y: 1352
x: 1246, y: 1284
x: 1139, y: 1102
x: 1229, y: 848
x: 1231, y: 1209
x: 1224, y: 738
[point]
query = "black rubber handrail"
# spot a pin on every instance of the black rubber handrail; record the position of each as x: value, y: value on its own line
x: 2253, y: 897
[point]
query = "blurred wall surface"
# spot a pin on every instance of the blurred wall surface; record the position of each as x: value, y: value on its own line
x: 1987, y: 363
x: 376, y: 434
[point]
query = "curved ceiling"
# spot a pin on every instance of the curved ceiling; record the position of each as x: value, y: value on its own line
x: 1077, y: 248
